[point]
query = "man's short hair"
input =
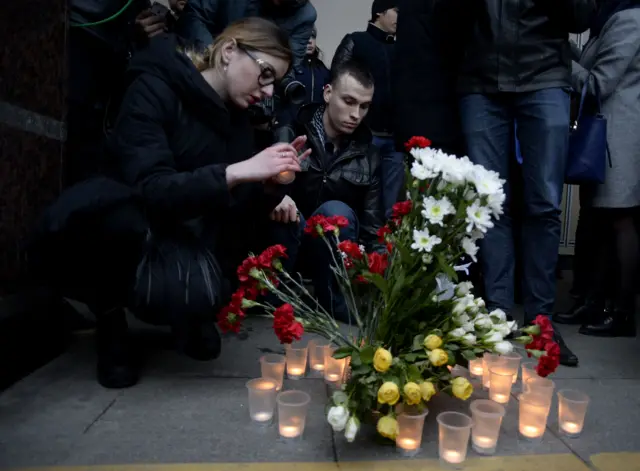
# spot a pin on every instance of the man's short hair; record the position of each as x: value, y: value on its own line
x: 356, y: 69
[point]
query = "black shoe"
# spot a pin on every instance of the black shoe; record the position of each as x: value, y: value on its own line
x: 616, y: 324
x: 567, y: 357
x: 116, y: 367
x: 580, y: 312
x: 203, y: 342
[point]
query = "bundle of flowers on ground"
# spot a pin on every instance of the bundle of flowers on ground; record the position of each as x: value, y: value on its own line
x: 413, y: 319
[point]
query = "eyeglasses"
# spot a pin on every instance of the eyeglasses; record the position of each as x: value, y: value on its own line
x: 267, y: 73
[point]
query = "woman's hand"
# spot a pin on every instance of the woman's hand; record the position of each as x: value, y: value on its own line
x: 265, y: 165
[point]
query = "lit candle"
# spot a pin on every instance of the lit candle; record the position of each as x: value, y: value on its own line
x: 407, y: 444
x: 290, y: 431
x: 500, y: 398
x: 452, y: 456
x: 484, y: 442
x: 318, y: 367
x: 476, y: 370
x: 262, y: 416
x: 530, y: 431
x: 295, y: 371
x: 264, y: 385
x: 333, y: 377
x: 285, y: 178
x: 571, y: 427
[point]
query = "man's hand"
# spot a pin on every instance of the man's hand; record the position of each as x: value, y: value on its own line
x: 286, y: 211
x: 151, y: 24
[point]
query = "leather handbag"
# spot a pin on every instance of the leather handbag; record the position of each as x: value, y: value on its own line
x: 588, y: 147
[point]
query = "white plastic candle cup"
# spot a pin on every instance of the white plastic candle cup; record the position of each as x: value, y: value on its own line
x: 542, y: 386
x: 296, y: 361
x: 454, y: 430
x: 488, y: 360
x: 500, y: 384
x: 475, y: 368
x: 528, y: 371
x: 410, y: 426
x: 533, y: 414
x: 262, y: 399
x: 487, y: 419
x: 316, y: 355
x: 512, y: 361
x: 572, y: 409
x: 333, y: 368
x: 272, y: 367
x: 292, y: 413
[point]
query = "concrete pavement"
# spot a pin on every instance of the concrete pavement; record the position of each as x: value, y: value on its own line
x: 189, y: 416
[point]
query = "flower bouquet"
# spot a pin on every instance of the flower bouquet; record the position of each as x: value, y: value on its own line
x: 414, y: 321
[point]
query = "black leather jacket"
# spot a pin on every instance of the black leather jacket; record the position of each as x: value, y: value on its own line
x: 519, y: 46
x: 353, y: 177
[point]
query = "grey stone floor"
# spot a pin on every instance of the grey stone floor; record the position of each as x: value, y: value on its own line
x: 189, y: 412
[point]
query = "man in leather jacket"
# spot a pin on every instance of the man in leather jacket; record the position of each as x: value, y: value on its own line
x: 516, y: 69
x: 375, y: 48
x: 341, y: 177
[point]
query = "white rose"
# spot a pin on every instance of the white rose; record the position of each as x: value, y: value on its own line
x: 351, y: 429
x: 483, y: 321
x: 499, y: 313
x: 469, y: 326
x: 493, y: 337
x: 469, y: 339
x: 513, y: 325
x: 479, y: 302
x: 457, y: 333
x: 502, y: 328
x: 503, y: 347
x: 338, y: 417
x: 460, y: 307
x: 464, y: 288
x: 462, y: 319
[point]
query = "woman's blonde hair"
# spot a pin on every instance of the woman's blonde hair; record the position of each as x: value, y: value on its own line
x: 253, y: 34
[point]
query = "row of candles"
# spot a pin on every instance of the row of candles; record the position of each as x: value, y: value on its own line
x: 266, y: 395
x: 498, y: 373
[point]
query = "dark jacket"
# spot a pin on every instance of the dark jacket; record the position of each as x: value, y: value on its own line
x: 375, y: 49
x: 314, y: 76
x: 203, y: 20
x: 428, y: 50
x: 353, y: 178
x: 520, y: 46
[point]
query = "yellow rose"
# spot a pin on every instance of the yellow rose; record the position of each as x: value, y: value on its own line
x: 382, y: 360
x: 388, y: 427
x: 412, y: 394
x: 432, y: 342
x: 438, y: 357
x: 461, y: 388
x: 389, y: 393
x: 427, y: 390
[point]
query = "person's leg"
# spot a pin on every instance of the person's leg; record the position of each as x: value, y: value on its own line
x: 326, y: 287
x: 488, y: 131
x: 290, y: 235
x: 543, y: 131
x: 392, y: 172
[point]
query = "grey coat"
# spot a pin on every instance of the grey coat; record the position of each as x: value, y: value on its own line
x: 612, y: 60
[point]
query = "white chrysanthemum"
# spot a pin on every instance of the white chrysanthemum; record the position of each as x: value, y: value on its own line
x: 427, y: 259
x: 470, y: 248
x: 495, y: 202
x: 420, y: 172
x: 487, y: 182
x: 423, y: 241
x: 478, y: 217
x: 434, y: 210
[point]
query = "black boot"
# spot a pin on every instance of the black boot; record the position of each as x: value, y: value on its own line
x: 116, y: 366
x: 582, y: 311
x: 617, y: 323
x: 203, y: 341
x: 567, y: 357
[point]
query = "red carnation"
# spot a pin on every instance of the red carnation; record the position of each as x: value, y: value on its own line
x: 417, y: 141
x: 286, y: 327
x: 382, y: 234
x: 230, y: 318
x: 316, y: 225
x: 351, y: 249
x: 244, y: 270
x: 546, y: 328
x: 275, y: 252
x: 378, y: 263
x: 548, y: 363
x: 401, y: 209
x: 339, y: 221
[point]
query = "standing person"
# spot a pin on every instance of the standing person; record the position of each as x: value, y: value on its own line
x: 516, y: 68
x: 375, y: 48
x: 163, y: 231
x: 609, y: 68
x: 315, y: 74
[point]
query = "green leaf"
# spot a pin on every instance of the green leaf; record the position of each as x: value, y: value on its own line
x: 413, y: 373
x: 361, y: 370
x: 356, y: 360
x: 342, y: 352
x: 418, y: 341
x: 411, y: 357
x: 340, y: 398
x: 367, y: 353
x: 468, y: 355
x: 377, y: 280
x: 437, y: 332
x: 372, y: 378
x: 453, y: 347
x: 452, y: 357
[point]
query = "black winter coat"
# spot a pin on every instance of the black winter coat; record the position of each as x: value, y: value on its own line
x: 353, y: 178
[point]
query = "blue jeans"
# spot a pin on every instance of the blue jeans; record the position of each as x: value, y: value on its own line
x: 392, y: 172
x: 543, y: 134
